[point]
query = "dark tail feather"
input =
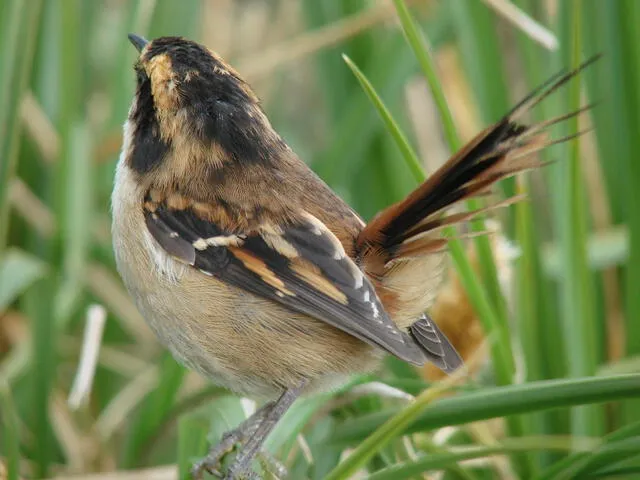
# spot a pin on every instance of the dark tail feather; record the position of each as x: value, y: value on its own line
x: 435, y: 345
x: 502, y: 150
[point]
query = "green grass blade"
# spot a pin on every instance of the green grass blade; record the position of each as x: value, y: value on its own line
x: 79, y: 216
x: 388, y: 431
x: 528, y: 289
x: 10, y: 94
x: 482, y: 59
x: 284, y: 434
x: 18, y: 270
x: 610, y: 27
x: 418, y: 43
x: 623, y: 471
x: 38, y: 303
x: 18, y: 58
x: 440, y: 461
x: 192, y: 441
x: 532, y: 312
x: 630, y: 14
x: 578, y: 304
x: 539, y: 327
x: 602, y: 458
x: 451, y: 470
x: 613, y: 83
x: 500, y: 401
x: 10, y: 432
x: 355, y: 128
x: 576, y: 461
x: 153, y: 410
x: 408, y: 153
x: 19, y: 27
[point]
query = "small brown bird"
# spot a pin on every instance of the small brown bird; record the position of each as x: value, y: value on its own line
x: 250, y: 269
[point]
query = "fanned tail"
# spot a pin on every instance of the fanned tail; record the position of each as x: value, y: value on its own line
x: 500, y: 151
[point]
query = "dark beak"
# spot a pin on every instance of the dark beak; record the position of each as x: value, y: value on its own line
x: 137, y: 41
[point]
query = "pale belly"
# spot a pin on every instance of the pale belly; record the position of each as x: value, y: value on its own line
x: 242, y: 342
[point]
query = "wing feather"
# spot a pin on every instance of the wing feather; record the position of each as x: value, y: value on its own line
x: 301, y: 265
x: 436, y: 346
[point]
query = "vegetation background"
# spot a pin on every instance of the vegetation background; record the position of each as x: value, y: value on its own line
x: 553, y: 336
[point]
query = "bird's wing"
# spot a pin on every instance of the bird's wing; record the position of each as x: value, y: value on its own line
x: 300, y: 264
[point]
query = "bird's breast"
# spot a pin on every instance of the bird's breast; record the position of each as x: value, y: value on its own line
x: 243, y: 342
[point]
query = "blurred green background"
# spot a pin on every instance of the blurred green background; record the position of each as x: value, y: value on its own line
x: 552, y: 336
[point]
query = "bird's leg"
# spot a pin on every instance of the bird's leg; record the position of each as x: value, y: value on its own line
x: 242, y: 463
x: 239, y: 435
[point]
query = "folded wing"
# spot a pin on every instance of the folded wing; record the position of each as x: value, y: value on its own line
x: 301, y: 265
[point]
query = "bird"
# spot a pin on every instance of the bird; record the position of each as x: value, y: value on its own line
x: 251, y: 270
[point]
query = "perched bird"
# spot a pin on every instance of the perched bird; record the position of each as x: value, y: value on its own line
x: 250, y: 269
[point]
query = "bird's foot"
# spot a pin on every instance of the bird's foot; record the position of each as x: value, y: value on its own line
x: 250, y: 435
x: 212, y: 462
x: 241, y: 467
x: 230, y: 440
